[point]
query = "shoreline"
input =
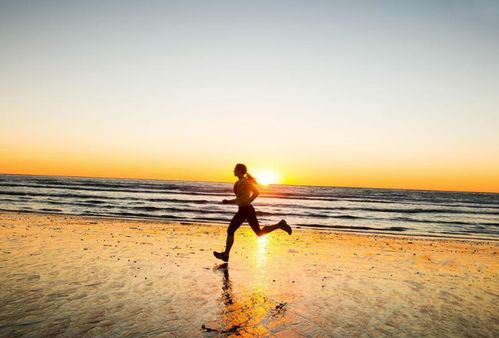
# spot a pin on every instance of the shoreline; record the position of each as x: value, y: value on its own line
x: 90, y: 276
x: 310, y: 228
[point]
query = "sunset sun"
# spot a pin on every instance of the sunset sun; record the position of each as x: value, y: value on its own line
x: 266, y: 177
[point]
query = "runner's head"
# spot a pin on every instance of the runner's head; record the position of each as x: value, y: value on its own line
x: 240, y: 170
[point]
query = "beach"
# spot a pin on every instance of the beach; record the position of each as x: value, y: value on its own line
x: 75, y: 276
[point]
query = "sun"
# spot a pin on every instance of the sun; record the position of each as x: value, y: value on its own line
x: 266, y: 177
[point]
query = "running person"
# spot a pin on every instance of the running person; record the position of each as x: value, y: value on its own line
x: 246, y: 192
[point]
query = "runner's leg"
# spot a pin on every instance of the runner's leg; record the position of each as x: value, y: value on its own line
x: 253, y: 222
x: 235, y: 223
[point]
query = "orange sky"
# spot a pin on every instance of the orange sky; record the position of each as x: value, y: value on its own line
x: 432, y: 176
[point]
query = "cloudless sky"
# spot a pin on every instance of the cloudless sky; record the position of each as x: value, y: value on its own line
x: 395, y: 94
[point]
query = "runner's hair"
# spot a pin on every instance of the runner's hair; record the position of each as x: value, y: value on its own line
x: 243, y: 168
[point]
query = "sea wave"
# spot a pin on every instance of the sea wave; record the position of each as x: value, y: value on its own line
x: 353, y: 209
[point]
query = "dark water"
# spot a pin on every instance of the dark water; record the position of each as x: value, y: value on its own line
x: 359, y: 209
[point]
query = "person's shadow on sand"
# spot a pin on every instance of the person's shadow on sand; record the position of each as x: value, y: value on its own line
x: 247, y: 316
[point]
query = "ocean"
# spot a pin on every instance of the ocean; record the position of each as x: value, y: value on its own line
x: 413, y: 212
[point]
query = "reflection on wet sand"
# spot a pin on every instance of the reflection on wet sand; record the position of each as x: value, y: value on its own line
x: 261, y: 254
x: 246, y: 316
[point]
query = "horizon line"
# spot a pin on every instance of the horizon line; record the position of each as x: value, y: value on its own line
x: 295, y: 185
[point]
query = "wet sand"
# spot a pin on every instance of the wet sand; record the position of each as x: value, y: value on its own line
x: 94, y: 277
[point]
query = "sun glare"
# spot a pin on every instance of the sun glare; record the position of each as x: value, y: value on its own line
x: 266, y: 177
x: 261, y: 255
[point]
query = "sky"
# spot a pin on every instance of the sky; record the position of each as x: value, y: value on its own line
x: 388, y: 94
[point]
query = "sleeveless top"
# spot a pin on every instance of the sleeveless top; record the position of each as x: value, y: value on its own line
x: 242, y: 189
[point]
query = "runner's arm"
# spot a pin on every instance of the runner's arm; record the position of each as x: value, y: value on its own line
x: 254, y: 193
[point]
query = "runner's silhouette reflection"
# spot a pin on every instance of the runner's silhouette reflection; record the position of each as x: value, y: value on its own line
x: 226, y: 284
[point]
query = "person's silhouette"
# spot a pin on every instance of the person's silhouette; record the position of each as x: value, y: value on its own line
x: 246, y: 192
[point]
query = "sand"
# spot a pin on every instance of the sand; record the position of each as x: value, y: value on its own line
x: 93, y: 277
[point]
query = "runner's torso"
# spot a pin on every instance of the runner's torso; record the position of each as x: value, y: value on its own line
x: 243, y: 190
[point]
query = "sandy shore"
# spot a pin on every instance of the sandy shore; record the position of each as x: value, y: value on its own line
x: 83, y: 276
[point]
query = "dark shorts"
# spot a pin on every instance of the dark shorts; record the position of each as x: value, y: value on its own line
x: 244, y: 213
